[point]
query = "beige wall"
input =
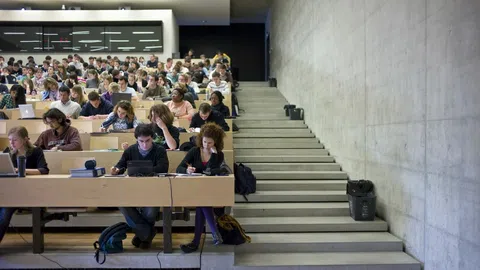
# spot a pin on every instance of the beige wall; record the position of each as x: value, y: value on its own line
x: 392, y: 88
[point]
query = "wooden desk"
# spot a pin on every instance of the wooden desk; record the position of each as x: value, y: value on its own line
x: 185, y: 123
x: 62, y: 191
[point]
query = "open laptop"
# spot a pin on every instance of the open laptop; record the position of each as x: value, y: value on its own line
x: 27, y: 112
x: 6, y: 166
x: 140, y: 168
x: 117, y: 97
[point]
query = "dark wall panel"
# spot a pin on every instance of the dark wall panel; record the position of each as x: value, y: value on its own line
x: 244, y: 43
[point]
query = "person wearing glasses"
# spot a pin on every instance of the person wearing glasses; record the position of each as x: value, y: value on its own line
x: 142, y: 219
x: 61, y: 136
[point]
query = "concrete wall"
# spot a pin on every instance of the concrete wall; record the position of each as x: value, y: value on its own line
x: 170, y: 28
x: 392, y: 88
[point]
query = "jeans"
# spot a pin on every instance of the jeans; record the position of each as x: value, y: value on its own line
x: 141, y: 220
x: 203, y: 214
x: 5, y: 217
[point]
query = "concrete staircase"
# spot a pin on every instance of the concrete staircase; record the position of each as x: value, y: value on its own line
x: 299, y: 218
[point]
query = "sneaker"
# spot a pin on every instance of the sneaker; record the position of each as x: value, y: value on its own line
x: 189, y: 248
x: 136, y: 241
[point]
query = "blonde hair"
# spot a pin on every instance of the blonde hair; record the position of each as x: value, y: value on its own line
x: 21, y: 132
x: 79, y: 91
x: 114, y: 87
x: 163, y: 112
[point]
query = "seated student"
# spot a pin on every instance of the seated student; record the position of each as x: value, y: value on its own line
x: 218, y: 85
x: 78, y: 96
x: 111, y: 88
x: 179, y: 107
x: 142, y: 222
x: 16, y: 97
x: 192, y: 84
x: 70, y: 108
x: 28, y: 85
x: 153, y: 62
x: 224, y: 74
x: 51, y: 90
x: 39, y: 80
x: 216, y: 98
x: 183, y: 78
x: 132, y: 83
x: 93, y: 81
x: 153, y: 89
x: 107, y: 80
x: 96, y: 108
x: 60, y: 136
x: 35, y: 164
x: 207, y: 154
x: 122, y: 82
x: 173, y: 76
x: 6, y: 77
x: 122, y: 118
x: 205, y: 114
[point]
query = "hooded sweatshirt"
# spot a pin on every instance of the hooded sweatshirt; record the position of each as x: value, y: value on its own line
x: 69, y: 140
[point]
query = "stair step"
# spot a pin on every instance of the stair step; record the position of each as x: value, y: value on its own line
x: 327, y: 260
x: 265, y: 116
x: 294, y: 166
x: 281, y: 152
x: 299, y: 159
x: 300, y: 175
x: 274, y: 133
x: 246, y: 124
x: 276, y: 145
x: 321, y: 242
x: 252, y: 209
x: 287, y: 185
x: 277, y: 140
x: 295, y: 196
x: 311, y: 224
x: 260, y: 111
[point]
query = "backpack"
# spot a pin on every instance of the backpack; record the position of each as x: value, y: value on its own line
x: 231, y: 231
x: 235, y: 107
x: 245, y: 181
x: 110, y: 241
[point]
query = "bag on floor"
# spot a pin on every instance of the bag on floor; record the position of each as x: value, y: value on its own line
x: 235, y: 106
x: 110, y: 241
x: 231, y: 231
x: 245, y: 181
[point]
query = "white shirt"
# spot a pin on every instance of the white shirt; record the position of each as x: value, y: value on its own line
x: 71, y: 108
x: 194, y: 85
x: 224, y: 87
x: 129, y: 90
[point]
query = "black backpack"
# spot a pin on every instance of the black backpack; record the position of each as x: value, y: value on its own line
x: 245, y: 181
x: 235, y: 103
x: 110, y: 241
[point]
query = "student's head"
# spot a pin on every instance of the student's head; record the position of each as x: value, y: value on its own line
x: 182, y: 78
x: 141, y: 59
x: 65, y: 62
x: 178, y: 93
x: 131, y: 78
x: 30, y: 71
x: 169, y: 61
x: 124, y: 109
x: 162, y: 112
x: 94, y: 99
x: 77, y: 93
x: 216, y: 98
x: 122, y: 81
x: 191, y: 52
x: 107, y: 80
x: 46, y: 64
x: 216, y: 77
x: 50, y: 71
x: 16, y: 66
x: 144, y: 135
x: 50, y: 84
x: 222, y: 69
x: 93, y: 74
x: 153, y: 80
x: 18, y: 139
x: 211, y: 135
x: 113, y: 88
x: 64, y: 93
x: 204, y: 111
x: 202, y: 56
x: 18, y: 94
x: 152, y: 58
x: 28, y: 84
x: 162, y: 80
x: 55, y: 118
x: 38, y: 73
x: 91, y: 60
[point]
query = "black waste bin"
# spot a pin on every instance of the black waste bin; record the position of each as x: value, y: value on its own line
x: 362, y: 200
x: 287, y: 109
x: 272, y: 82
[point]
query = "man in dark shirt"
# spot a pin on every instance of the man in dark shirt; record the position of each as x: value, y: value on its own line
x: 205, y: 114
x: 96, y: 107
x: 153, y: 62
x: 142, y: 220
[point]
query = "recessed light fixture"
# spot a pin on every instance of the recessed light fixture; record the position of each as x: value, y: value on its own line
x: 149, y: 40
x: 143, y: 33
x: 98, y: 49
x: 126, y: 48
x: 50, y: 34
x: 30, y: 41
x: 60, y: 41
x: 153, y: 47
x: 90, y: 41
x: 119, y: 40
x: 14, y: 33
x: 110, y: 33
x: 81, y: 33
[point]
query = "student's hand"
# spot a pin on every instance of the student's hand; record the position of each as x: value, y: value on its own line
x: 124, y: 146
x: 213, y: 150
x: 149, y: 98
x: 114, y: 171
x: 94, y: 117
x: 191, y: 130
x: 103, y: 129
x: 54, y: 148
x: 190, y: 170
x: 161, y: 124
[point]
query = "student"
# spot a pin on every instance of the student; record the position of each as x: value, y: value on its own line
x: 141, y: 61
x: 191, y: 83
x: 112, y: 88
x: 78, y: 96
x: 206, y: 115
x: 153, y: 62
x: 132, y: 82
x: 92, y: 81
x: 224, y: 74
x: 207, y: 154
x: 218, y: 85
x: 122, y: 82
x: 179, y: 107
x: 51, y: 90
x: 153, y: 89
x: 7, y: 77
x: 70, y: 108
x: 28, y: 85
x: 122, y: 118
x: 60, y: 136
x: 183, y: 78
x: 142, y: 222
x: 216, y: 98
x: 16, y: 97
x: 38, y: 81
x: 96, y: 108
x: 35, y: 164
x: 107, y: 80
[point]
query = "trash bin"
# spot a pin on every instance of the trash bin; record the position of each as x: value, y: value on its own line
x: 287, y: 109
x: 362, y: 200
x: 296, y: 114
x: 272, y: 82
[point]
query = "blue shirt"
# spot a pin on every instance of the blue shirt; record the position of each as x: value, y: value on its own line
x: 105, y: 107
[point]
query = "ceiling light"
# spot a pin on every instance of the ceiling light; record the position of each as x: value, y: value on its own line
x: 153, y: 47
x: 50, y: 34
x: 149, y: 40
x: 23, y: 9
x: 98, y: 49
x: 110, y: 33
x: 14, y: 33
x: 60, y: 41
x: 30, y: 41
x: 119, y: 40
x: 143, y: 33
x: 90, y: 41
x: 126, y: 48
x: 23, y: 50
x: 81, y: 33
x: 63, y: 7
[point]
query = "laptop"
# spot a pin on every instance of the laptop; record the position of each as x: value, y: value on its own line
x: 6, y: 166
x: 27, y: 112
x: 117, y: 97
x: 140, y: 168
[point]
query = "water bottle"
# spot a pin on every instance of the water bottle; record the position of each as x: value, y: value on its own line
x: 21, y: 165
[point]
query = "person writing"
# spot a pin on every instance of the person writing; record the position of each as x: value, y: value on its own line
x: 206, y: 114
x: 15, y: 98
x: 142, y: 220
x: 216, y: 98
x: 122, y: 118
x: 60, y: 136
x: 96, y: 108
x: 20, y: 145
x: 206, y: 155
